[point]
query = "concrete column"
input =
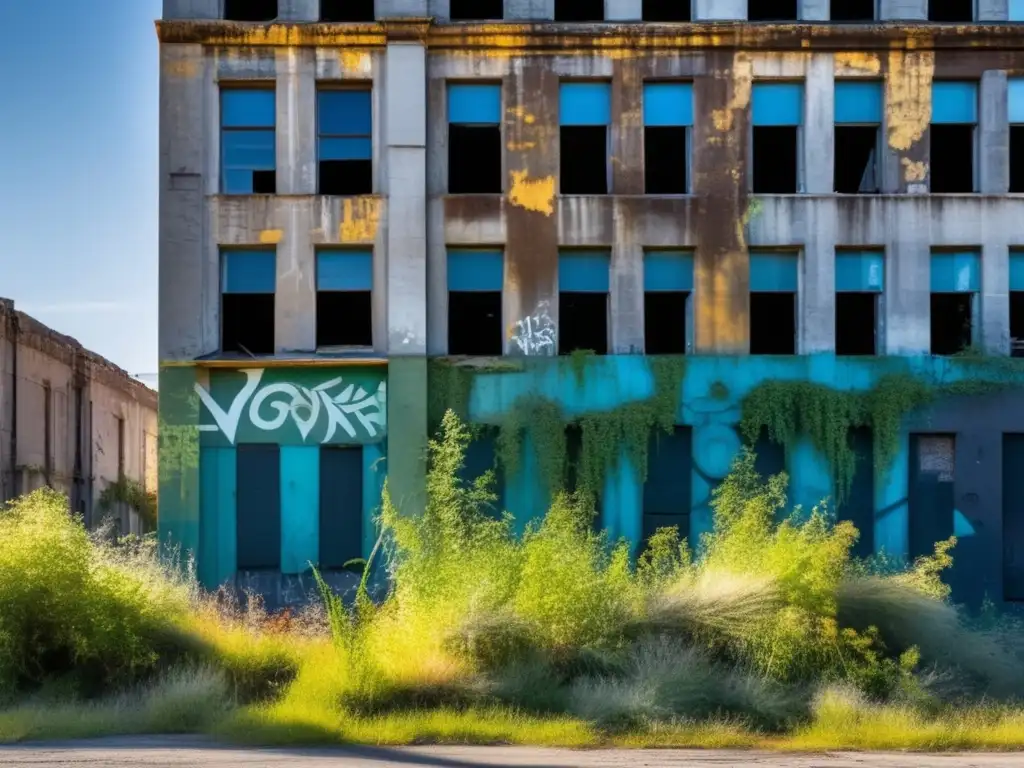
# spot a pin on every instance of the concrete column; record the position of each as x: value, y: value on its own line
x: 192, y: 9
x: 298, y: 10
x: 294, y: 318
x: 819, y: 124
x: 719, y: 10
x: 995, y: 300
x: 437, y: 188
x: 994, y: 135
x: 993, y: 10
x: 405, y: 161
x: 402, y: 9
x: 903, y: 10
x: 817, y: 314
x: 623, y: 10
x: 907, y: 282
x: 184, y: 231
x: 813, y: 10
x: 627, y: 293
x: 529, y: 10
x: 296, y: 130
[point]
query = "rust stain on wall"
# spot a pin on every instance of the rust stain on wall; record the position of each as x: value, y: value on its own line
x: 908, y: 97
x: 533, y: 194
x: 271, y: 236
x: 360, y: 218
x: 721, y: 264
x: 855, y: 62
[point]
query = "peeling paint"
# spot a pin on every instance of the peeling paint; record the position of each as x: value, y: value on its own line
x: 520, y: 113
x: 854, y: 62
x: 908, y: 97
x: 521, y: 146
x: 271, y: 236
x: 914, y: 171
x: 354, y: 62
x: 360, y: 219
x: 533, y: 194
x: 743, y: 79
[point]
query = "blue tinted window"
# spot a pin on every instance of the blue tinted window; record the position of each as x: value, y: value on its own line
x: 668, y: 271
x: 249, y: 271
x: 584, y: 271
x: 1017, y: 270
x: 954, y: 102
x: 858, y: 102
x: 773, y: 272
x: 247, y: 108
x: 585, y: 104
x: 1015, y: 96
x: 956, y: 272
x: 778, y: 103
x: 344, y: 270
x: 860, y: 271
x: 668, y: 104
x: 474, y: 104
x: 475, y: 270
x: 248, y: 141
x: 345, y: 113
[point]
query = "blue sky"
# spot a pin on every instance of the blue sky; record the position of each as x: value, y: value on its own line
x: 78, y: 171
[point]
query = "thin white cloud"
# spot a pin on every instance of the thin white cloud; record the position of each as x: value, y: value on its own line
x: 75, y: 307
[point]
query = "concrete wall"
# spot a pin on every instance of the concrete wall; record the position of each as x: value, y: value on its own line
x: 50, y: 367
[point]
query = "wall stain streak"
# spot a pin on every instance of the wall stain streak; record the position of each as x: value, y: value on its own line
x: 857, y: 63
x: 360, y: 219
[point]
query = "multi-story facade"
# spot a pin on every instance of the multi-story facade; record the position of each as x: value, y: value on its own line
x: 72, y: 420
x: 751, y: 190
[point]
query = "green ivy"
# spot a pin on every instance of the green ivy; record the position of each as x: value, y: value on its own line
x: 134, y: 494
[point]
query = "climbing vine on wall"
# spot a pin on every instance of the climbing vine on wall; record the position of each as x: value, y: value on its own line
x: 133, y: 494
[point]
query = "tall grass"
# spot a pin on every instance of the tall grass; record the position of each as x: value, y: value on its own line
x: 558, y: 636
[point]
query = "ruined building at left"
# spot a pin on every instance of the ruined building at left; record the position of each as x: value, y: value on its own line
x: 74, y: 421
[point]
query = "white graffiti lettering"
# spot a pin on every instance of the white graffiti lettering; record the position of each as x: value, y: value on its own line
x: 535, y: 334
x: 271, y: 406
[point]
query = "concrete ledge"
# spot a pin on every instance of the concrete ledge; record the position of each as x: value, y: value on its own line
x: 609, y: 36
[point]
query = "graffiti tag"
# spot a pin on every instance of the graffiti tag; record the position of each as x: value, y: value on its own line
x: 271, y: 406
x: 535, y: 334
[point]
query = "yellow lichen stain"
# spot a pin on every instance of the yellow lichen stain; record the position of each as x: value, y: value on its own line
x: 521, y: 146
x: 908, y: 97
x: 354, y: 62
x: 271, y: 236
x: 914, y: 172
x: 520, y: 113
x: 847, y: 62
x: 183, y: 68
x: 533, y: 194
x: 742, y: 82
x: 360, y: 218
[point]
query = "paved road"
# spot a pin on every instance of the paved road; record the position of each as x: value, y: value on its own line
x: 175, y: 753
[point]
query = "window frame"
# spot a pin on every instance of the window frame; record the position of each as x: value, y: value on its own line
x: 223, y: 130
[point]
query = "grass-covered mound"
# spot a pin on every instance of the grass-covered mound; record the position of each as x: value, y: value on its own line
x: 768, y: 634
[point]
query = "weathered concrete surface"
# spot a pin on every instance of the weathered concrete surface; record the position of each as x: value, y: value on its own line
x: 168, y: 752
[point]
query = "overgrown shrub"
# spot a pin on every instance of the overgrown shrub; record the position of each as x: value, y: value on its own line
x: 73, y: 607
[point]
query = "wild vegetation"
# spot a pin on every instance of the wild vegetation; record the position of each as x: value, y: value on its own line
x: 765, y: 632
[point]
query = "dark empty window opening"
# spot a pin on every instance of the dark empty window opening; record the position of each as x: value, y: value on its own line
x: 775, y: 159
x: 856, y: 159
x: 247, y: 323
x: 250, y: 10
x: 665, y: 322
x: 264, y: 182
x: 950, y: 10
x: 346, y: 10
x: 1017, y: 323
x: 344, y: 319
x: 1017, y: 158
x: 579, y: 10
x: 665, y: 160
x: 471, y: 10
x: 474, y: 323
x: 584, y: 160
x: 474, y: 159
x: 855, y: 323
x: 772, y: 323
x: 667, y: 10
x: 951, y: 322
x: 771, y: 10
x: 346, y: 177
x: 952, y: 158
x: 852, y: 10
x: 582, y: 323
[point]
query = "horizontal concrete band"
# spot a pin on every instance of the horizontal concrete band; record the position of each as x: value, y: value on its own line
x: 646, y: 36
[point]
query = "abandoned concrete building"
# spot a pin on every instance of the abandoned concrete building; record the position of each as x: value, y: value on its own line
x: 631, y: 236
x: 71, y: 420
